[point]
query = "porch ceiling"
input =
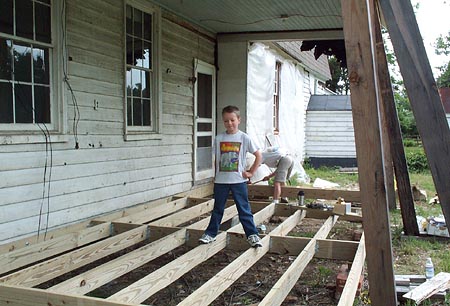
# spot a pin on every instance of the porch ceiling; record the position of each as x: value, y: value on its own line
x: 237, y: 16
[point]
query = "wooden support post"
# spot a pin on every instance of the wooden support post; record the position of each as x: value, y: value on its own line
x: 391, y: 122
x: 422, y: 92
x: 365, y: 112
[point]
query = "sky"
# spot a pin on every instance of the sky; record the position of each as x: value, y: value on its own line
x: 433, y: 18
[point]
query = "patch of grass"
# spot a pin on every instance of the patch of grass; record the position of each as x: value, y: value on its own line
x: 333, y: 175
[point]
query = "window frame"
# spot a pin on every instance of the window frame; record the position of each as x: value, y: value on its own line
x: 145, y: 132
x: 11, y: 133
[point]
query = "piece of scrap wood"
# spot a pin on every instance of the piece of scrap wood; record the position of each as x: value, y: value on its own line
x: 427, y: 289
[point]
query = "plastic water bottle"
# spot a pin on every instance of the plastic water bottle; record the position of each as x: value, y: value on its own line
x: 429, y: 268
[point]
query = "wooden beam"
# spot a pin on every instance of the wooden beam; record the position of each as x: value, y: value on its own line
x: 18, y: 296
x: 351, y: 286
x: 44, y: 271
x: 440, y: 282
x: 103, y: 274
x: 287, y: 281
x: 147, y: 286
x: 25, y: 256
x: 365, y: 112
x: 227, y: 276
x: 277, y: 36
x: 264, y: 191
x: 285, y: 210
x: 392, y: 125
x: 31, y: 240
x: 154, y: 212
x: 185, y: 215
x: 325, y: 248
x: 422, y: 92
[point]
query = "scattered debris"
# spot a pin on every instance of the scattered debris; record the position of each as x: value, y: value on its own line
x: 341, y: 279
x: 419, y: 194
x: 320, y: 183
x: 434, y: 200
x: 437, y: 227
x: 440, y: 282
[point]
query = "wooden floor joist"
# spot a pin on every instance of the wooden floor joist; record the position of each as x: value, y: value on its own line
x: 170, y: 223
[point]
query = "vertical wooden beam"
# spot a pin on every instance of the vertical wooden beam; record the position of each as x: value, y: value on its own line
x: 422, y: 92
x: 392, y: 124
x: 368, y: 148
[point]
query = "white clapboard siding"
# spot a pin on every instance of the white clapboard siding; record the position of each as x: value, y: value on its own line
x: 25, y: 227
x: 106, y: 173
x: 448, y: 118
x: 330, y: 134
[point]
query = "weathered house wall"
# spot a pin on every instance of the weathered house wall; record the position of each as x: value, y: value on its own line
x: 106, y: 172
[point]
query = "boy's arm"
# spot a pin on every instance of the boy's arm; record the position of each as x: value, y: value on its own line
x: 258, y: 157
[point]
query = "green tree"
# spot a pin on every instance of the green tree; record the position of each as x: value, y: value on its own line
x: 442, y: 47
x: 339, y: 82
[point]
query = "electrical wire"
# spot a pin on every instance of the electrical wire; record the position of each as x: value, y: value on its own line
x: 76, y: 111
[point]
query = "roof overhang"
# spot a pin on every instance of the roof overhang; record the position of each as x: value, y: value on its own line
x: 262, y: 19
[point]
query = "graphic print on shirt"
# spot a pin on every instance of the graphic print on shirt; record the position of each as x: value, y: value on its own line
x: 229, y: 156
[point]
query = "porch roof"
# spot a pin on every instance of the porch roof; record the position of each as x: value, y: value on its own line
x: 243, y: 16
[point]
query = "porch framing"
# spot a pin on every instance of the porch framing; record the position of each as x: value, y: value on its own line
x: 165, y: 225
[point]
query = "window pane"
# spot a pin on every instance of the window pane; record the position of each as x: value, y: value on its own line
x: 204, y: 99
x: 137, y: 18
x: 42, y: 104
x: 147, y: 26
x: 129, y: 113
x: 24, y: 109
x: 6, y: 104
x: 130, y: 60
x: 138, y: 53
x: 129, y: 20
x: 204, y: 127
x: 204, y: 158
x: 136, y: 82
x: 24, y: 18
x: 6, y: 17
x: 43, y: 23
x: 204, y: 141
x: 147, y: 63
x: 146, y: 112
x: 129, y: 84
x: 5, y: 59
x: 41, y: 66
x: 137, y: 112
x: 146, y: 89
x: 45, y: 1
x: 22, y: 63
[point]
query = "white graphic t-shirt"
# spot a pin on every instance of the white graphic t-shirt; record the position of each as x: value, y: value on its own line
x: 231, y: 150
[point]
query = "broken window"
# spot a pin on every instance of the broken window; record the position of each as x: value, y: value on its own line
x: 142, y: 102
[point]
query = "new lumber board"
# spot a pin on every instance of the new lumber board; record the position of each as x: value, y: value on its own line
x: 25, y: 256
x: 44, y: 271
x: 351, y: 285
x: 100, y: 275
x: 310, y: 193
x: 283, y: 286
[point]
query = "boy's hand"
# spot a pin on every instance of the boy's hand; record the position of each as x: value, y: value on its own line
x: 247, y: 174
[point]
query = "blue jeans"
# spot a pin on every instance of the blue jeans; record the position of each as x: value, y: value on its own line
x: 240, y: 196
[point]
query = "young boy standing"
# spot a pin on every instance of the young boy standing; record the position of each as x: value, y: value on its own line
x: 231, y: 148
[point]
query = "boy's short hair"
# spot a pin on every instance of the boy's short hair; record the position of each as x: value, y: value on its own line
x: 231, y: 109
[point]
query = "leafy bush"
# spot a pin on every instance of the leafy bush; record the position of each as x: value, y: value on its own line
x: 416, y: 160
x: 410, y: 142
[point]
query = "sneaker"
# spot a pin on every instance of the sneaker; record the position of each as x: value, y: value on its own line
x: 254, y: 241
x: 284, y: 200
x: 205, y: 239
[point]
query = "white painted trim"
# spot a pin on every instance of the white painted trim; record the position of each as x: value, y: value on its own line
x: 202, y: 67
x: 153, y: 132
